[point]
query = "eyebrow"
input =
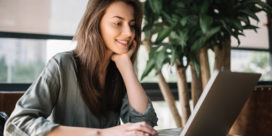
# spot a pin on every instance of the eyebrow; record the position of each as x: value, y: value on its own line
x: 122, y: 18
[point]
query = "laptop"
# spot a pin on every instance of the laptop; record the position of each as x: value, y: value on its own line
x: 218, y: 106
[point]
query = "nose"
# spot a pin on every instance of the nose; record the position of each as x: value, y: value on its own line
x: 128, y: 31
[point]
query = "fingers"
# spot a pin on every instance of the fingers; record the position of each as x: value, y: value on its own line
x: 143, y: 127
x: 129, y: 53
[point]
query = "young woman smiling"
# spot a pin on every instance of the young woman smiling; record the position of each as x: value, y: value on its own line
x: 85, y: 92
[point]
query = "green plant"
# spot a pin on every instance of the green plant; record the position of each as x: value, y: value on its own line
x: 205, y: 23
x: 182, y: 29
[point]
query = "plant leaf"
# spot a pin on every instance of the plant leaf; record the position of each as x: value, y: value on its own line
x: 265, y: 6
x: 195, y: 64
x: 251, y: 27
x: 184, y: 36
x: 166, y: 17
x: 212, y: 32
x: 204, y: 6
x: 235, y: 35
x: 251, y: 14
x: 150, y: 64
x: 156, y: 6
x: 245, y: 19
x: 164, y: 33
x: 174, y: 55
x: 198, y: 44
x: 237, y: 24
x: 205, y: 23
x: 160, y: 58
x: 184, y: 21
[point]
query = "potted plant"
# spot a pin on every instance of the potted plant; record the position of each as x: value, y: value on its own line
x: 190, y: 28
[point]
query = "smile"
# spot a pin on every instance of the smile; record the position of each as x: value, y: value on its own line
x: 123, y: 43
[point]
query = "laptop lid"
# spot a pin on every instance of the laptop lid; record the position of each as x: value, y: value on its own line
x: 220, y: 103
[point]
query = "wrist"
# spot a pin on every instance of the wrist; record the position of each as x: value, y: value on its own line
x: 124, y: 66
x: 94, y: 132
x: 103, y: 132
x: 90, y: 131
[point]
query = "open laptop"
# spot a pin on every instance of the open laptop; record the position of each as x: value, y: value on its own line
x: 218, y: 106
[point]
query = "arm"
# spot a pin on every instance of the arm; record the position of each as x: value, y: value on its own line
x: 129, y: 129
x: 32, y: 109
x: 136, y: 94
x: 136, y: 106
x: 30, y: 114
x: 73, y: 131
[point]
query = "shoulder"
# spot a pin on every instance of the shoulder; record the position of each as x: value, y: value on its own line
x: 64, y: 57
x: 63, y: 61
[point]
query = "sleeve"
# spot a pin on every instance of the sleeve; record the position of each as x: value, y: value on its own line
x: 32, y: 109
x: 129, y: 114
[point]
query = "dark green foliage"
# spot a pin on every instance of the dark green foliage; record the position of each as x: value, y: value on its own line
x: 191, y: 25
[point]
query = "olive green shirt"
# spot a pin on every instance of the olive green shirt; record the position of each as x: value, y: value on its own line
x: 54, y: 99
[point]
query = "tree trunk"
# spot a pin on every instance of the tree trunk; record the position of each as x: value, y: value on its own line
x: 169, y: 98
x: 196, y: 86
x: 204, y: 66
x: 166, y: 92
x: 222, y: 56
x: 183, y: 93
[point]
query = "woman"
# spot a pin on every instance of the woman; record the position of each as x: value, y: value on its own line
x: 86, y: 91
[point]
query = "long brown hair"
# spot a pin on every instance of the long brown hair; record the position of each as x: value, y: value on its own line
x: 89, y: 53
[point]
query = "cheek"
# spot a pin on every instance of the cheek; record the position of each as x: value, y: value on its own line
x: 110, y: 33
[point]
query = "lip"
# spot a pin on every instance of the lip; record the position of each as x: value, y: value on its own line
x: 123, y: 44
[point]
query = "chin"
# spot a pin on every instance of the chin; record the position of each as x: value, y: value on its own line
x: 120, y: 52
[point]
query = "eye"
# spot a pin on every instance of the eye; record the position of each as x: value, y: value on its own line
x: 132, y: 26
x: 117, y: 23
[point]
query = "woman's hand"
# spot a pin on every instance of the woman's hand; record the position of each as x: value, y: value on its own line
x: 124, y: 59
x: 130, y: 129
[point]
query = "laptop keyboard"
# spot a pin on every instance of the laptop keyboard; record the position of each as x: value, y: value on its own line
x: 169, y: 132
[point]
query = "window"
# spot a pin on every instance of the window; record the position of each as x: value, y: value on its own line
x: 22, y: 60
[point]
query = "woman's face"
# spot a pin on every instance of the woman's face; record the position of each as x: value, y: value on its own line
x: 117, y: 27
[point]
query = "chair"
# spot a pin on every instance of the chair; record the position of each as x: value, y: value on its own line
x: 255, y: 119
x: 7, y: 104
x: 8, y: 101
